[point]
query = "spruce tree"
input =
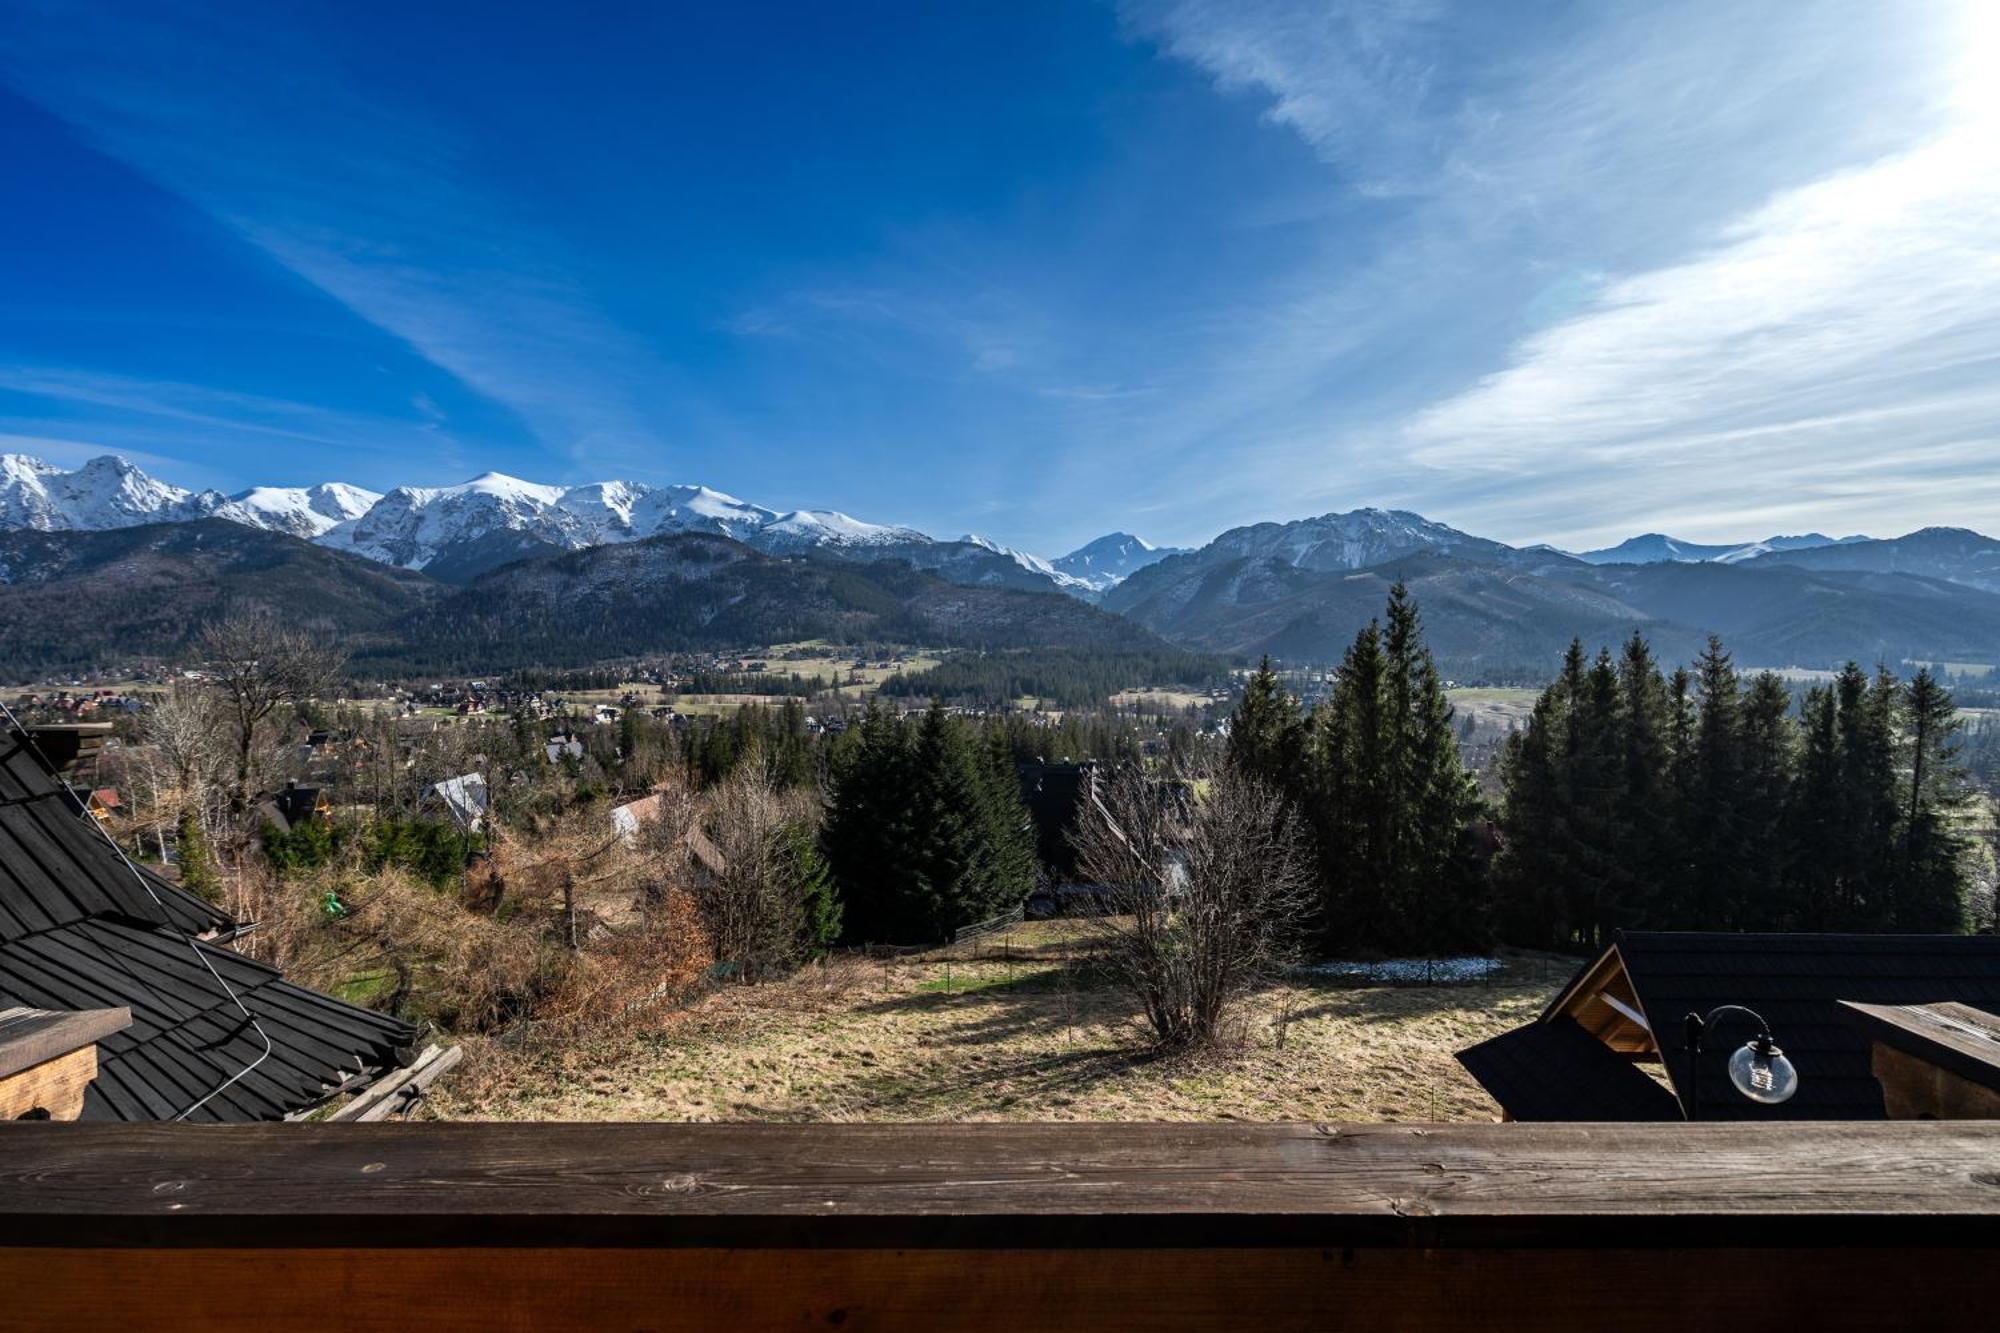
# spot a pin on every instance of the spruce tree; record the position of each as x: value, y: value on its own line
x: 1931, y: 887
x: 1645, y: 815
x: 1768, y: 764
x: 1711, y: 818
x: 1267, y: 734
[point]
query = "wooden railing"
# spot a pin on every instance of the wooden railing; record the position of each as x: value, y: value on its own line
x: 1021, y: 1227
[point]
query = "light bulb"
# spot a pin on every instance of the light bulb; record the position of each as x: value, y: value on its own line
x: 1761, y: 1072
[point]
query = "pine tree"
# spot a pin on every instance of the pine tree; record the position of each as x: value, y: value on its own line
x: 1931, y: 888
x: 1595, y: 788
x: 818, y: 897
x: 1815, y: 840
x: 1645, y: 814
x: 1350, y: 803
x: 1267, y: 734
x: 1531, y: 868
x: 1431, y: 796
x: 1768, y: 763
x: 1711, y: 818
x: 868, y: 823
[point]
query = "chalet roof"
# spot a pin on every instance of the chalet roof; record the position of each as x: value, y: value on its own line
x: 464, y: 798
x: 1558, y: 1071
x: 80, y: 928
x: 1797, y: 982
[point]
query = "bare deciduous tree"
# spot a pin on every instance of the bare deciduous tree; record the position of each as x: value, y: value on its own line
x: 754, y: 903
x: 1210, y: 886
x: 256, y: 665
x: 185, y: 728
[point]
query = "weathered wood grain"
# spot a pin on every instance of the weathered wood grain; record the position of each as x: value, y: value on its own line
x: 944, y: 1186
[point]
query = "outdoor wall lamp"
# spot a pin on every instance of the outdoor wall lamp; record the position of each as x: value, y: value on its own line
x: 1758, y: 1068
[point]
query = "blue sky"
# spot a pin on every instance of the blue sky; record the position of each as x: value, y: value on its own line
x: 1544, y: 271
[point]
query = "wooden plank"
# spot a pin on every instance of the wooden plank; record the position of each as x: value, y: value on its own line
x: 380, y: 1097
x: 1138, y: 1186
x: 1005, y: 1290
x: 34, y: 1036
x: 53, y: 1088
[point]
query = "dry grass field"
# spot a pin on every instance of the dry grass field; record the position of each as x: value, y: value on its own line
x: 1025, y: 1030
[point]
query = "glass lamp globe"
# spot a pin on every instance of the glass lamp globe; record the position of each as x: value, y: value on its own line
x: 1761, y: 1072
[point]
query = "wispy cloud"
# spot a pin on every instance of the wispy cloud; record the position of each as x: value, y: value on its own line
x: 355, y: 190
x: 1659, y: 265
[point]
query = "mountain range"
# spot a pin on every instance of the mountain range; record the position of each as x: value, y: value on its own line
x: 456, y: 533
x: 501, y: 563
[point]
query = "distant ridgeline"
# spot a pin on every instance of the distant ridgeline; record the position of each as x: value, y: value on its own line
x: 75, y: 599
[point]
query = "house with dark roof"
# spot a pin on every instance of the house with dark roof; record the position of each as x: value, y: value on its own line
x: 83, y: 929
x: 1588, y: 1056
x: 294, y: 807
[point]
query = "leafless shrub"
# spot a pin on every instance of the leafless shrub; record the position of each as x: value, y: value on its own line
x: 1210, y: 884
x: 257, y: 663
x: 753, y: 902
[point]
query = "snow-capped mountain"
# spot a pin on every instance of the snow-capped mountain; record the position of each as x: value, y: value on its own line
x: 1111, y: 559
x: 464, y: 529
x: 413, y: 526
x: 104, y: 493
x: 1656, y: 548
x: 303, y: 511
x: 1034, y: 564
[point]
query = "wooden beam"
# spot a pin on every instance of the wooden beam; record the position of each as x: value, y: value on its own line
x: 31, y: 1037
x: 53, y: 1089
x: 386, y: 1094
x: 1002, y: 1227
x: 1018, y: 1184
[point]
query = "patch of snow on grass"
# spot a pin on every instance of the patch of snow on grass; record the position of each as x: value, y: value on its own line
x: 1408, y: 971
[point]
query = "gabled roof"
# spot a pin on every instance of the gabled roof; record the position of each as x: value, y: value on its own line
x: 464, y: 798
x: 80, y: 928
x: 1796, y: 982
x: 1558, y: 1071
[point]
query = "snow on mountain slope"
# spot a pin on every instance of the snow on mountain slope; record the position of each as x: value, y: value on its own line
x: 1111, y: 559
x: 303, y: 511
x: 104, y: 493
x: 1654, y: 548
x: 1359, y: 539
x: 1034, y: 564
x: 472, y: 523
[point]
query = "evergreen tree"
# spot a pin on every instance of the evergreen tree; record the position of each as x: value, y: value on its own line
x: 1266, y: 732
x: 1431, y: 797
x: 1711, y: 816
x: 867, y: 825
x: 1768, y: 763
x: 1930, y: 893
x: 1646, y: 812
x: 819, y: 899
x: 1531, y: 869
x: 925, y: 833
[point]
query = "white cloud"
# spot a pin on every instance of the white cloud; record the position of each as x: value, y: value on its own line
x: 1755, y: 251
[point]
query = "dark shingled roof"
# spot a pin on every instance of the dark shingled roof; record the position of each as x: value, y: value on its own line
x: 79, y: 930
x: 1797, y: 983
x: 1555, y: 1070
